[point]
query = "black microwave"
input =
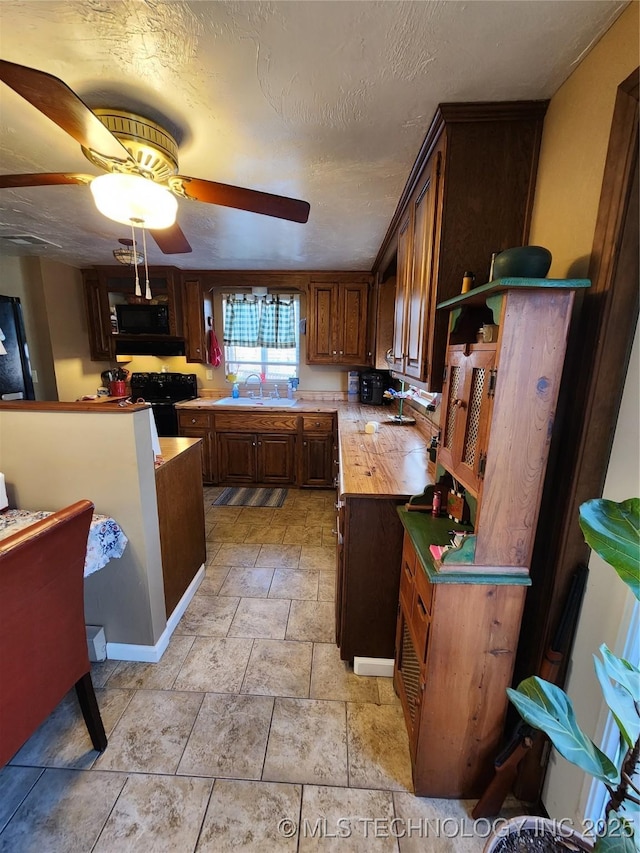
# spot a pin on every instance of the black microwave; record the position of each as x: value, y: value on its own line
x: 143, y: 319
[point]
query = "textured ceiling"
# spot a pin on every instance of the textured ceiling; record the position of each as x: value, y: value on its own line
x: 323, y: 101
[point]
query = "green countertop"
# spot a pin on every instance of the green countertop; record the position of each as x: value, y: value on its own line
x: 425, y: 530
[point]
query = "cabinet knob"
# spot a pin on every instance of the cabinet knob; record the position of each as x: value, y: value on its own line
x: 341, y: 352
x: 197, y: 349
x: 317, y: 423
x: 335, y: 352
x: 460, y: 403
x: 193, y: 420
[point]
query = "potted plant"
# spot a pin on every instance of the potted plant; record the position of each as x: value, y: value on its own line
x: 612, y: 531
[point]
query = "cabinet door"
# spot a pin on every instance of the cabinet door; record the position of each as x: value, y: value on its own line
x: 205, y: 450
x: 323, y: 308
x: 419, y: 290
x: 317, y: 460
x: 468, y: 396
x: 352, y: 323
x: 408, y: 677
x: 402, y: 291
x: 195, y: 341
x: 237, y: 457
x: 98, y: 320
x: 276, y: 459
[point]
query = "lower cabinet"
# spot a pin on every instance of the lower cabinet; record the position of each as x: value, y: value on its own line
x: 368, y: 576
x: 252, y: 458
x: 318, y: 450
x: 195, y: 424
x: 455, y: 649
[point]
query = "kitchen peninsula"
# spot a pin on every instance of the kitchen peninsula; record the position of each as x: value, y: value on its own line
x: 375, y: 472
x: 53, y: 454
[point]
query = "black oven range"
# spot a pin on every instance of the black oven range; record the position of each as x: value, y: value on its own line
x: 163, y: 391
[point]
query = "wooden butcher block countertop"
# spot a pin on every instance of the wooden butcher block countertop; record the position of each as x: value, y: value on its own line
x: 390, y: 463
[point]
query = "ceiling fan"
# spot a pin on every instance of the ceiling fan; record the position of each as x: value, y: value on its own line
x: 136, y: 149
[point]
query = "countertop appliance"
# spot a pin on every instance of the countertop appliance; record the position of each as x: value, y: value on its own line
x: 16, y: 382
x: 372, y: 387
x: 163, y: 391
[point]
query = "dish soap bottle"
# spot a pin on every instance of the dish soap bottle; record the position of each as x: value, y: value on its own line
x: 235, y: 392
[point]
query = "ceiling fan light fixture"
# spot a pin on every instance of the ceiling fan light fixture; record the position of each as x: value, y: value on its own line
x: 134, y: 200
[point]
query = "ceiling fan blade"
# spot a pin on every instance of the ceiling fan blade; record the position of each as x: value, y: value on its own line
x: 241, y: 198
x: 43, y: 179
x: 171, y: 240
x: 58, y: 102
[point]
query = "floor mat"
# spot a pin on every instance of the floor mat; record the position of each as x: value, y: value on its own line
x: 251, y: 497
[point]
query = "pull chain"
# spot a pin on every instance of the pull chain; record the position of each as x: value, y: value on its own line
x: 133, y: 236
x: 147, y: 294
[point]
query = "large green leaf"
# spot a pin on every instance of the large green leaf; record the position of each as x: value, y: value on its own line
x: 620, y: 704
x: 545, y: 706
x: 620, y: 670
x: 618, y: 837
x: 612, y: 530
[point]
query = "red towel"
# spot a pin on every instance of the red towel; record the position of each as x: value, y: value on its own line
x: 214, y: 353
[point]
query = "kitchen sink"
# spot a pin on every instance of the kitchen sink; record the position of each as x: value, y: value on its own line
x: 255, y: 402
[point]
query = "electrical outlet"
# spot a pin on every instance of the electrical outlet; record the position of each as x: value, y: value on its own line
x: 209, y: 374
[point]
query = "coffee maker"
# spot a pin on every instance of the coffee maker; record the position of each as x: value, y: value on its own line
x: 372, y: 387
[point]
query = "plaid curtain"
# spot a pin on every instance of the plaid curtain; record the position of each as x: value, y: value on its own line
x: 241, y: 321
x: 277, y: 324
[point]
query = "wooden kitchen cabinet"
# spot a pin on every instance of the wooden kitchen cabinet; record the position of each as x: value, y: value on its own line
x: 256, y: 450
x: 337, y: 320
x: 318, y: 450
x: 455, y: 649
x: 196, y: 424
x: 469, y: 195
x: 188, y: 304
x: 470, y: 378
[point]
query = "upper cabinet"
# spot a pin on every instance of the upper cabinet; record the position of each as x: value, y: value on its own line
x: 337, y: 319
x: 469, y: 195
x: 106, y: 288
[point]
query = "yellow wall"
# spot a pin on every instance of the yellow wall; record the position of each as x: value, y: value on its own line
x: 572, y: 160
x: 574, y: 147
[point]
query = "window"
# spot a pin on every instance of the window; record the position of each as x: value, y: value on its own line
x: 261, y: 335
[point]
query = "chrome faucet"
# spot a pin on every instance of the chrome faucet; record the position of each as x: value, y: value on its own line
x: 258, y: 377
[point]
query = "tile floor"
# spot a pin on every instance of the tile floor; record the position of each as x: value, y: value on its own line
x: 249, y: 735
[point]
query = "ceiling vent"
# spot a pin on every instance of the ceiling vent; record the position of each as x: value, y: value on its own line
x: 27, y: 240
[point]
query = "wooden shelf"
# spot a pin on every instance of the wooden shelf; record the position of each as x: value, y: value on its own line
x: 478, y: 295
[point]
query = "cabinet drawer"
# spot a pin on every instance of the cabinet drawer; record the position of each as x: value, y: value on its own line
x: 317, y: 423
x: 420, y: 623
x: 194, y: 418
x: 256, y: 422
x: 406, y: 587
x: 408, y: 557
x: 424, y: 588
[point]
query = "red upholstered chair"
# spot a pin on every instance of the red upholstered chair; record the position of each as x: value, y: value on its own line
x: 43, y: 645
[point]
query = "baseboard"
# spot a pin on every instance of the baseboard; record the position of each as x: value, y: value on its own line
x: 373, y: 666
x: 152, y: 654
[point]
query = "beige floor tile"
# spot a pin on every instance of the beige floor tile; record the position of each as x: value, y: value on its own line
x: 446, y: 823
x: 236, y: 555
x: 307, y: 743
x: 326, y: 518
x: 322, y: 558
x: 378, y: 747
x: 244, y: 816
x: 154, y: 676
x: 290, y: 583
x: 208, y: 616
x: 15, y: 784
x: 63, y: 740
x: 158, y: 813
x: 247, y: 583
x: 278, y: 668
x: 286, y: 517
x: 260, y: 618
x: 215, y: 665
x: 303, y: 535
x: 212, y: 549
x: 63, y: 813
x: 229, y: 737
x: 326, y: 586
x: 386, y: 691
x: 152, y: 733
x: 101, y: 671
x: 257, y: 515
x: 219, y: 514
x: 312, y: 621
x: 214, y: 577
x: 329, y: 536
x: 349, y: 812
x: 279, y: 556
x: 263, y: 535
x: 332, y: 678
x: 226, y: 531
